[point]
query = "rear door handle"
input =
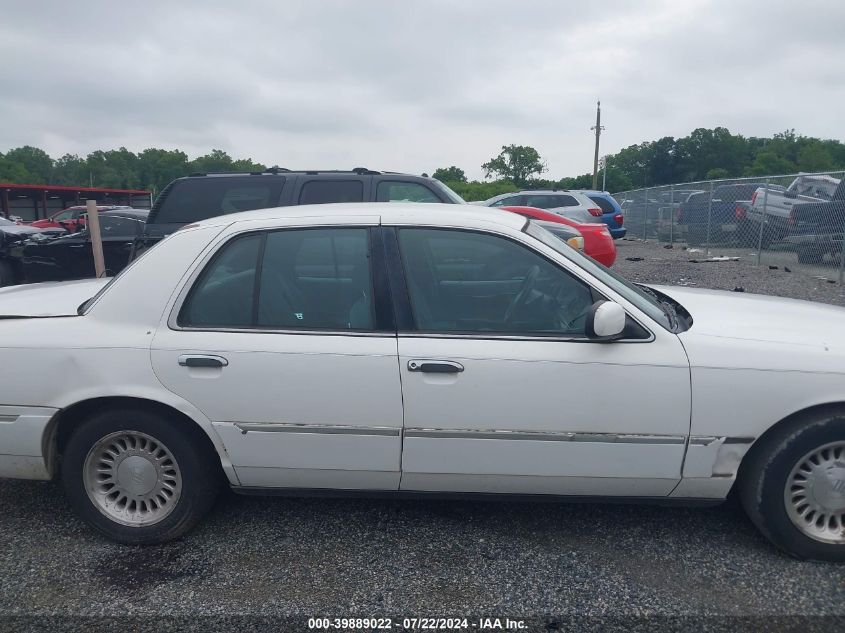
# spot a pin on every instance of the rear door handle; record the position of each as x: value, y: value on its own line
x: 435, y: 366
x: 202, y: 360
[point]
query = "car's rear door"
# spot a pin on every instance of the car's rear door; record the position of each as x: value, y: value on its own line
x: 503, y: 392
x: 283, y: 341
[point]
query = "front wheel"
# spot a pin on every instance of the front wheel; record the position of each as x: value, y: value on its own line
x: 793, y: 487
x: 137, y: 477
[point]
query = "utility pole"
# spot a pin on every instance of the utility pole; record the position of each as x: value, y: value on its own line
x: 598, y: 128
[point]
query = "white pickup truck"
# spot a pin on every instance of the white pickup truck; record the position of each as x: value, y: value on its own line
x: 773, y: 208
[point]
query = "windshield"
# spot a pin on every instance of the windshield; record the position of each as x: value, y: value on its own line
x: 449, y: 193
x: 643, y: 299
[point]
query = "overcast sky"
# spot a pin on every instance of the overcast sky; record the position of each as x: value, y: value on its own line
x: 412, y: 85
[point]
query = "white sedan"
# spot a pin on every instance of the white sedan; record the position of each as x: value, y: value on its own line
x: 416, y: 349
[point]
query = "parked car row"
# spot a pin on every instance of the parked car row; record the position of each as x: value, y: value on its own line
x: 59, y: 247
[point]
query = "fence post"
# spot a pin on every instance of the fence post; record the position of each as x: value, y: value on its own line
x: 709, y: 217
x: 842, y: 254
x: 93, y: 223
x: 645, y: 216
x: 762, y: 224
x: 672, y: 214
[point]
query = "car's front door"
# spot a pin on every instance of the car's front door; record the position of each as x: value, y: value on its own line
x: 503, y: 392
x: 280, y: 344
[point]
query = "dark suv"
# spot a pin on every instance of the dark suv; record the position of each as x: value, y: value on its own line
x: 202, y: 196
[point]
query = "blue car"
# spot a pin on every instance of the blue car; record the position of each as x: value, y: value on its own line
x: 611, y: 211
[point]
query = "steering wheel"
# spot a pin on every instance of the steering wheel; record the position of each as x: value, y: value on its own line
x: 524, y: 292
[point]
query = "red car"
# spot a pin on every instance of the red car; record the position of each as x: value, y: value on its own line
x: 72, y: 218
x: 598, y: 243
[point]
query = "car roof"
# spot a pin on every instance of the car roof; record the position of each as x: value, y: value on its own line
x: 282, y: 171
x: 389, y: 212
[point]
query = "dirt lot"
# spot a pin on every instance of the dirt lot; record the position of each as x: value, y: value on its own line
x: 778, y: 273
x: 295, y: 558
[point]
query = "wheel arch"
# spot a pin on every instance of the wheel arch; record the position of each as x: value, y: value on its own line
x: 63, y: 423
x: 793, y: 419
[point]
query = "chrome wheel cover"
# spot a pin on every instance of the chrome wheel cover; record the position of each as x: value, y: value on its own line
x: 132, y: 478
x: 815, y: 494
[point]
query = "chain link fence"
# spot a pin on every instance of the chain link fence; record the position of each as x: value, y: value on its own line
x: 795, y: 220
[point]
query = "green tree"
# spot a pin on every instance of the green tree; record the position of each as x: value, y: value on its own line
x: 70, y: 169
x: 450, y: 174
x: 768, y: 163
x: 814, y: 157
x: 516, y: 163
x: 157, y: 167
x: 13, y: 172
x: 717, y: 173
x: 36, y: 162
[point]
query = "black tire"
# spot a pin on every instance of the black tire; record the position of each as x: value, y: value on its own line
x: 696, y: 235
x: 197, y: 465
x: 810, y: 255
x: 7, y: 274
x: 766, y: 470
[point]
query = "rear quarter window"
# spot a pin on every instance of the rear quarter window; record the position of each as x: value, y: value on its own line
x: 196, y: 199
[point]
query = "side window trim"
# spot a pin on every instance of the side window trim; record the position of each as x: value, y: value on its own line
x: 381, y: 306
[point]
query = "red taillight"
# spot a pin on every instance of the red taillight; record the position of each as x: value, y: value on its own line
x: 595, y: 212
x: 619, y: 219
x: 754, y: 197
x: 740, y: 212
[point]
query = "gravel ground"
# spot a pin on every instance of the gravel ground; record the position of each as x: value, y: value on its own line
x: 364, y: 557
x: 778, y: 274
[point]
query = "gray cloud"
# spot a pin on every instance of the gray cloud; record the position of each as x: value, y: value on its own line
x: 413, y: 85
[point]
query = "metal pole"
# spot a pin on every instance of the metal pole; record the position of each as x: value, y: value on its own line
x: 96, y: 238
x: 598, y: 129
x: 709, y: 215
x: 645, y: 216
x: 604, y: 174
x: 672, y: 215
x: 762, y: 224
x: 842, y: 254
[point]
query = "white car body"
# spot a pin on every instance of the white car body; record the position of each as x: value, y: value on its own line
x: 542, y: 199
x: 666, y: 417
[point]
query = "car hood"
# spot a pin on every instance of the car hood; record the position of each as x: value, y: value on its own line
x: 745, y: 331
x: 49, y: 299
x: 759, y: 317
x: 20, y: 229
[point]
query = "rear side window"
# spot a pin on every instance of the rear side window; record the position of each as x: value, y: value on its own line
x: 551, y: 202
x: 512, y: 201
x: 117, y: 226
x: 604, y: 204
x: 197, y: 199
x: 328, y: 191
x: 392, y: 191
x: 290, y: 279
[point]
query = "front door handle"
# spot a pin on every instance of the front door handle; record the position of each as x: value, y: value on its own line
x: 435, y: 366
x: 202, y: 360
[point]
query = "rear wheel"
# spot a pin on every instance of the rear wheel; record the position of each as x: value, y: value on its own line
x: 137, y: 477
x: 793, y: 487
x: 7, y: 274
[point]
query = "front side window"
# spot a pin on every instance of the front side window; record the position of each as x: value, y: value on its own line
x: 288, y: 279
x: 395, y: 191
x: 328, y: 191
x: 461, y: 281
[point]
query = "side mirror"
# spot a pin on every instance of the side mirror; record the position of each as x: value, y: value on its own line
x: 605, y: 321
